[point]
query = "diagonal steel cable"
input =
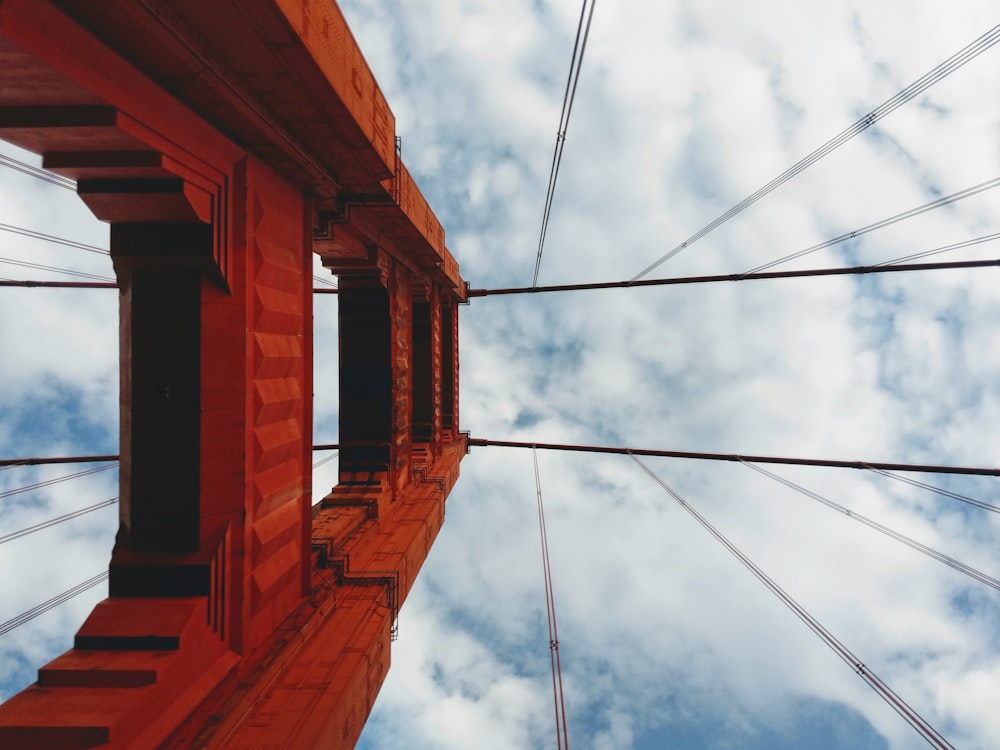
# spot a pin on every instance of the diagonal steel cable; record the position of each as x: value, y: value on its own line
x: 576, y: 61
x: 52, y: 603
x: 915, y: 720
x: 57, y: 520
x: 558, y: 696
x: 932, y: 553
x: 940, y: 71
x: 57, y: 480
x: 882, y: 223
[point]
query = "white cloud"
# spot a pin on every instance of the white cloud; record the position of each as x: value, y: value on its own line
x: 683, y: 109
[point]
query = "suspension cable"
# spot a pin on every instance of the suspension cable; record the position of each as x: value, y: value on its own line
x: 736, y: 458
x: 52, y: 603
x: 74, y: 514
x: 38, y: 284
x: 324, y: 281
x: 908, y: 214
x: 5, y: 462
x: 579, y: 46
x: 680, y: 280
x: 326, y: 460
x: 938, y: 490
x: 929, y: 733
x: 943, y: 249
x: 34, y: 284
x: 10, y: 462
x: 56, y: 520
x: 562, y: 736
x: 109, y: 283
x: 41, y: 174
x: 55, y: 240
x: 891, y: 266
x: 732, y: 457
x: 57, y: 480
x: 54, y: 269
x: 953, y: 63
x: 951, y: 562
x: 90, y: 583
x: 88, y: 509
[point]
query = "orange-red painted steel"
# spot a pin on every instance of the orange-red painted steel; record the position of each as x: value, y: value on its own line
x: 225, y: 143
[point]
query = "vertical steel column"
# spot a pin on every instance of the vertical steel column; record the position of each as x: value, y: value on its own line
x: 160, y: 383
x: 449, y: 369
x: 366, y: 376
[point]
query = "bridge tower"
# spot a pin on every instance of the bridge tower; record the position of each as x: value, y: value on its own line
x: 225, y: 142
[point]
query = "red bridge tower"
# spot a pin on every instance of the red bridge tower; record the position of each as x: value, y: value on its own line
x: 226, y: 142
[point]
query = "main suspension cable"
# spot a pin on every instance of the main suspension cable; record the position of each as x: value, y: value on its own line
x: 951, y: 562
x: 882, y: 223
x: 38, y: 284
x: 929, y: 733
x: 52, y: 603
x: 891, y: 266
x: 737, y: 458
x: 681, y: 280
x: 576, y: 61
x: 41, y: 461
x: 34, y: 284
x: 732, y: 457
x: 953, y: 63
x: 38, y: 461
x: 562, y: 735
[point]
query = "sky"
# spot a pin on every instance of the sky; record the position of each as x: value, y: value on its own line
x: 683, y: 109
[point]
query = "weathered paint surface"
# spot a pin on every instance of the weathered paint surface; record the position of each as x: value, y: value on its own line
x: 239, y: 615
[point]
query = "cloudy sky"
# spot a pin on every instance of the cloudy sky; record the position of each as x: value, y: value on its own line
x: 683, y: 110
